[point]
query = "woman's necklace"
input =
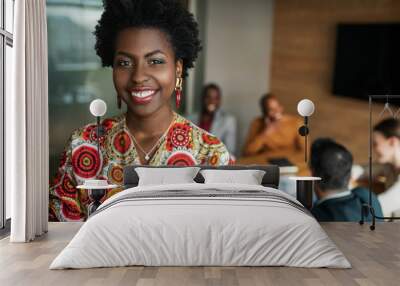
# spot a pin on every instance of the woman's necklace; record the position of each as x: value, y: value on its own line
x: 147, y: 154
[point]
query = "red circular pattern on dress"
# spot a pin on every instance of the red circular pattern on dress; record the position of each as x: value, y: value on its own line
x: 108, y: 123
x: 210, y: 140
x: 178, y: 136
x: 89, y: 133
x: 70, y: 210
x: 116, y: 174
x: 66, y: 188
x: 181, y: 159
x: 122, y: 142
x: 214, y: 160
x: 85, y: 161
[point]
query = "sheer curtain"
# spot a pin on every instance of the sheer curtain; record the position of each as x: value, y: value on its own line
x: 27, y: 124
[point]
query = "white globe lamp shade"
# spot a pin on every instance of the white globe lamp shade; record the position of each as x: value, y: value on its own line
x: 98, y: 107
x: 305, y: 107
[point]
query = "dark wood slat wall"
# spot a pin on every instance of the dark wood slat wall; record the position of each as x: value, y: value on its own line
x: 303, y: 62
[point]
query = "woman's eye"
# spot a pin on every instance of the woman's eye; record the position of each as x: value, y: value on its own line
x: 124, y: 63
x: 156, y: 61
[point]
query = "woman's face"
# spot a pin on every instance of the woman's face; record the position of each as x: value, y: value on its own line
x: 145, y: 70
x: 384, y: 148
x: 212, y: 100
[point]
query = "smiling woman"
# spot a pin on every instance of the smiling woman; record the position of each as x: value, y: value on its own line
x: 150, y: 45
x: 145, y: 72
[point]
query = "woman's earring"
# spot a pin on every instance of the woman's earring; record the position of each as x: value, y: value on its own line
x: 178, y: 91
x: 119, y: 102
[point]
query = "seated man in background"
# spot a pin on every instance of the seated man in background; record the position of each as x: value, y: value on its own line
x: 273, y: 135
x: 333, y: 162
x: 213, y: 119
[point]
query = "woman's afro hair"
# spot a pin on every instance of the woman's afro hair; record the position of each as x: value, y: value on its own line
x: 170, y: 16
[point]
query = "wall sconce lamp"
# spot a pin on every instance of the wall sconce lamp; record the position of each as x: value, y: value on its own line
x: 305, y: 108
x: 98, y: 108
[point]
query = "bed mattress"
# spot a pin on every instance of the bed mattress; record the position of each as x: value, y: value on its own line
x: 201, y: 225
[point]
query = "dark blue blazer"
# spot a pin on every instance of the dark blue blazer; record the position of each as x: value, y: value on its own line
x: 347, y: 208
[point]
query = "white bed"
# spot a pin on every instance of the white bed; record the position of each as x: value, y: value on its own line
x: 201, y: 225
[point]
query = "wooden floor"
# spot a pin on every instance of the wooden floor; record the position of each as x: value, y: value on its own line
x: 374, y: 255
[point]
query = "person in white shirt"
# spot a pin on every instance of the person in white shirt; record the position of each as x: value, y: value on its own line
x: 215, y: 120
x: 386, y: 143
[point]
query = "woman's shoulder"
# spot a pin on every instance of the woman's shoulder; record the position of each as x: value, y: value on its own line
x: 205, y: 144
x: 198, y: 134
x: 88, y: 132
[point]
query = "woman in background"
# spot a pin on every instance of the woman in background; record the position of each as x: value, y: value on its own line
x: 386, y: 144
x: 150, y: 45
x: 214, y: 119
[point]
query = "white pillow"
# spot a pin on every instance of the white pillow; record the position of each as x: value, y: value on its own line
x: 249, y: 177
x: 163, y: 176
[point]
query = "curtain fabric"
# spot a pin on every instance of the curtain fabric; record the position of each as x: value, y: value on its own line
x: 27, y: 140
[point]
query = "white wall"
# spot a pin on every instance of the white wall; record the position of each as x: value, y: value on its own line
x: 237, y: 51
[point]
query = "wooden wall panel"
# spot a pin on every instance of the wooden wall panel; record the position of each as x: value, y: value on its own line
x: 303, y: 61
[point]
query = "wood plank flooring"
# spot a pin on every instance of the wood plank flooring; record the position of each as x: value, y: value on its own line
x: 375, y: 257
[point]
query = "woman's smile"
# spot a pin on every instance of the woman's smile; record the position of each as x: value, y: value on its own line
x: 142, y: 95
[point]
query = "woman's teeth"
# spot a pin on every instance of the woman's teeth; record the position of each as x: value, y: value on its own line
x: 142, y: 94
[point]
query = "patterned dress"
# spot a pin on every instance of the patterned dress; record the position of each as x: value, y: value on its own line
x: 185, y: 144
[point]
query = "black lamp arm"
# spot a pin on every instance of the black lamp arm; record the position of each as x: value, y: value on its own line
x: 98, y: 135
x: 303, y: 131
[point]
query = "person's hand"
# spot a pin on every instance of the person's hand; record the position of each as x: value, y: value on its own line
x: 270, y: 126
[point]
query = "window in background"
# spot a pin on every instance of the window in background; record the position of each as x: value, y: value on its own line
x: 9, y: 15
x: 76, y: 76
x: 8, y: 86
x: 6, y: 44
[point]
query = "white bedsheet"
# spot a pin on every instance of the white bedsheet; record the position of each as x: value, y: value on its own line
x: 185, y: 230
